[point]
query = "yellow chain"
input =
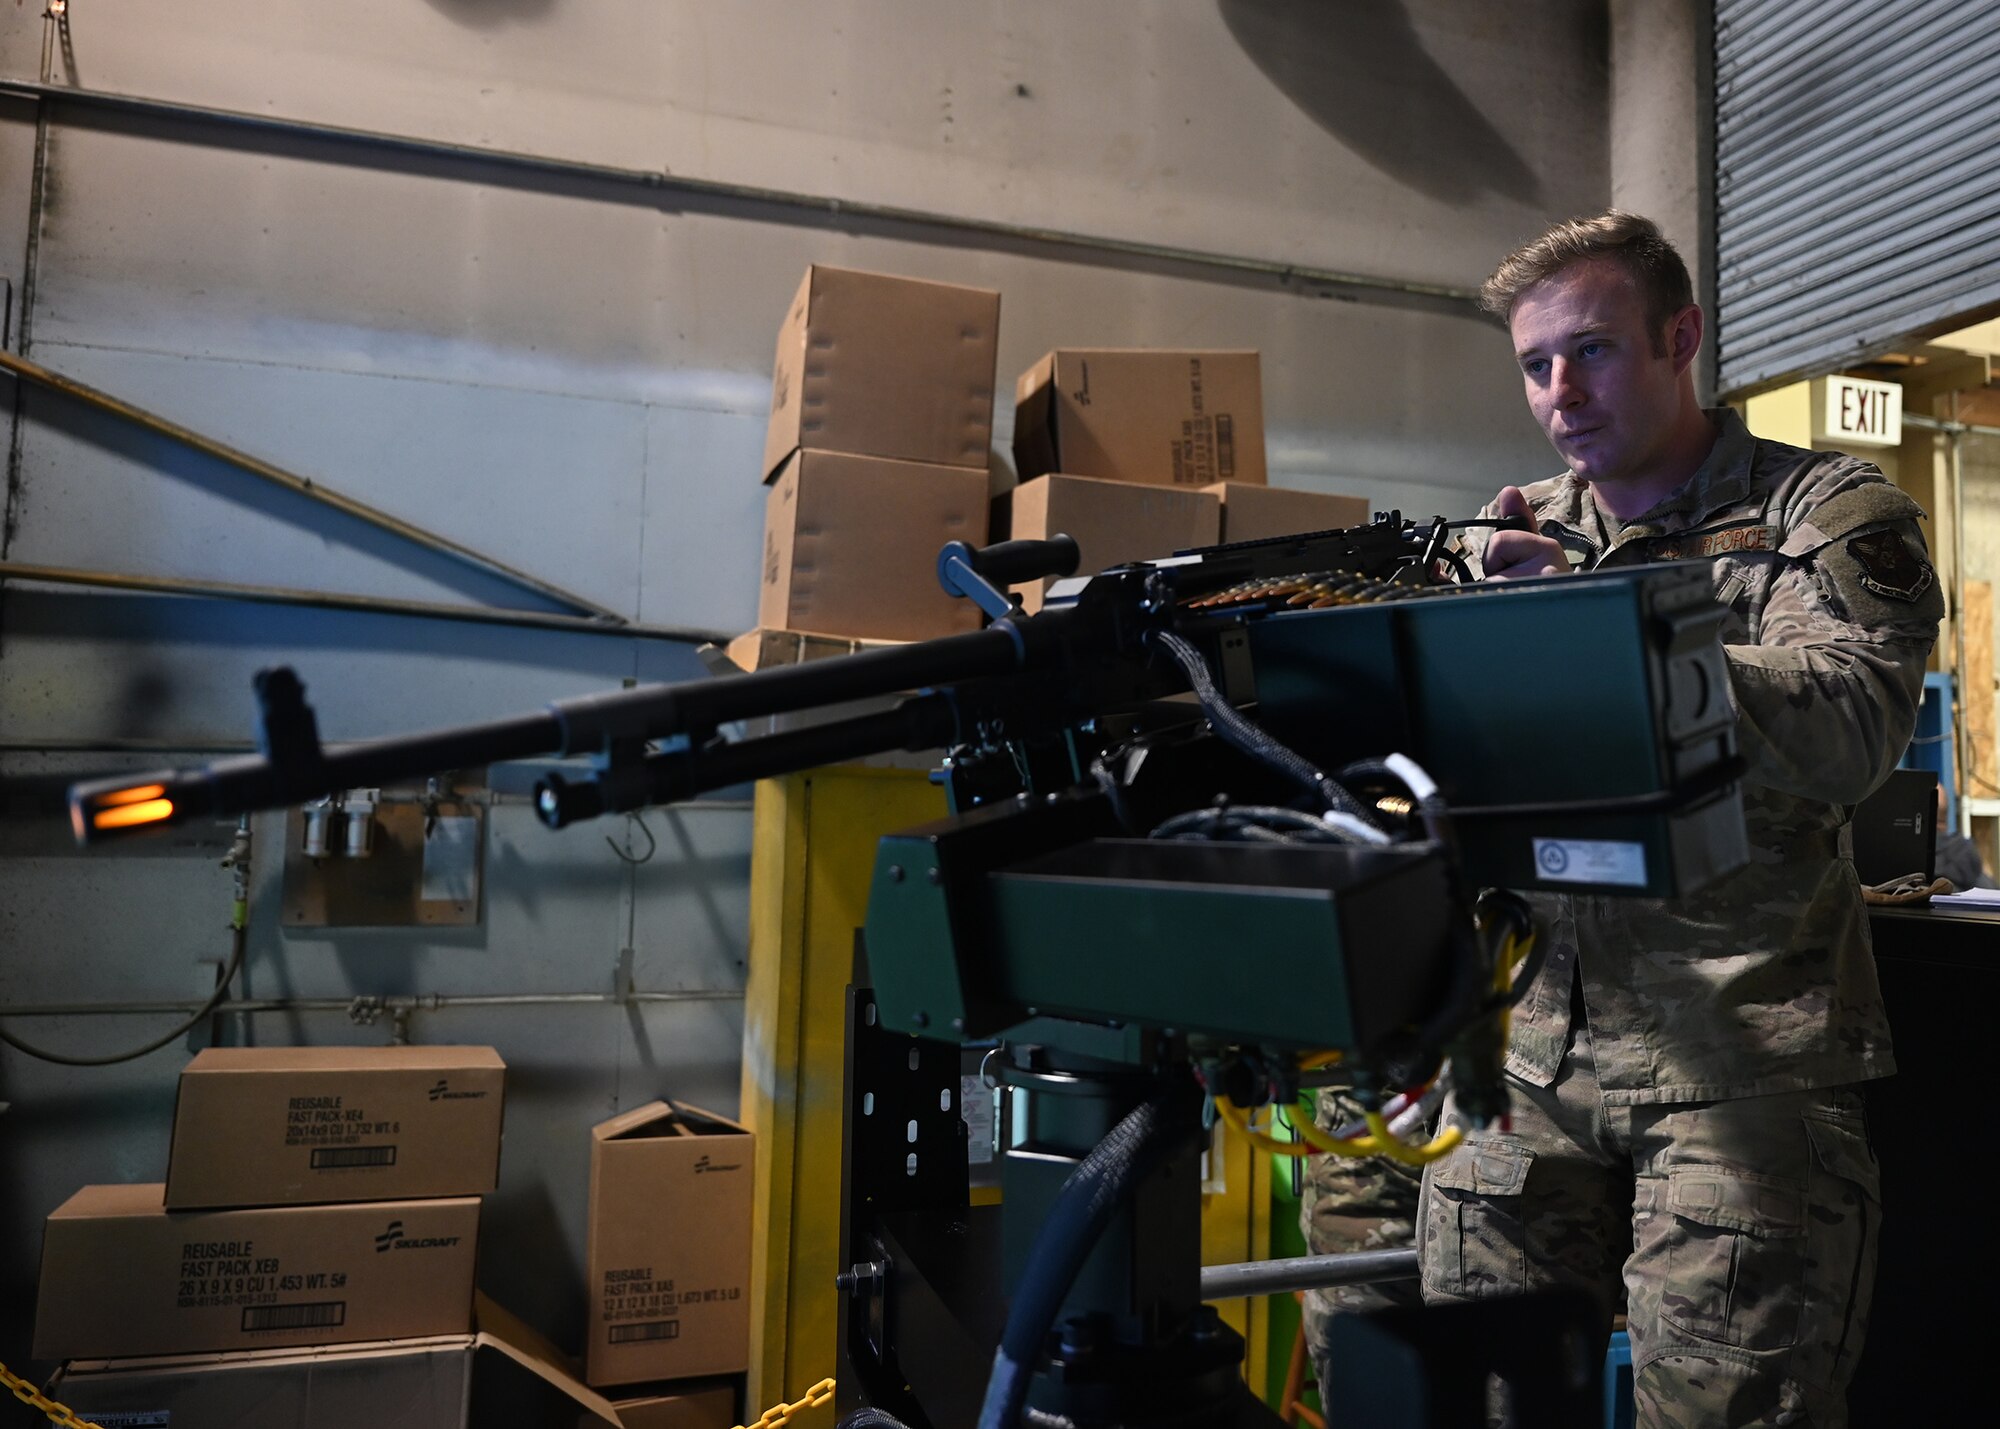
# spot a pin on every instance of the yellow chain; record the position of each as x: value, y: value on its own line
x: 58, y: 1413
x: 819, y: 1394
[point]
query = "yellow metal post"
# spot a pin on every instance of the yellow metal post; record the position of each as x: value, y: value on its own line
x: 1236, y: 1227
x: 812, y: 854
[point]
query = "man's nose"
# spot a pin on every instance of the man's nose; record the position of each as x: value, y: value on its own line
x: 1567, y: 390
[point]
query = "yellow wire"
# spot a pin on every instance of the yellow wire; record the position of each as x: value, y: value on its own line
x: 1513, y: 953
x: 1380, y: 1140
x: 1240, y: 1124
x: 1334, y: 1145
x: 1397, y: 1149
x: 1315, y: 1139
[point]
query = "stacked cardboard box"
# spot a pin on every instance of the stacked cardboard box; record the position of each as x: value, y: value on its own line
x: 1111, y: 521
x: 1124, y: 450
x: 1158, y: 416
x: 876, y: 453
x: 501, y: 1373
x: 314, y: 1197
x: 669, y: 1255
x: 1262, y: 513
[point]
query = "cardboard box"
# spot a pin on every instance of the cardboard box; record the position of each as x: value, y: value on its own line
x: 1113, y: 521
x: 851, y: 544
x: 707, y: 1404
x: 1258, y: 513
x: 669, y: 1246
x: 295, y: 1126
x: 1165, y: 418
x: 496, y: 1376
x: 761, y: 649
x: 874, y: 365
x: 122, y: 1275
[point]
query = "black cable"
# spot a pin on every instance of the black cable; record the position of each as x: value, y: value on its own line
x: 1250, y: 821
x: 240, y: 940
x: 1508, y: 912
x: 871, y: 1418
x: 1239, y: 732
x: 238, y: 862
x: 1083, y: 1208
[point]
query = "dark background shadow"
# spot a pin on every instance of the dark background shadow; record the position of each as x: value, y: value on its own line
x: 491, y: 14
x: 1361, y: 73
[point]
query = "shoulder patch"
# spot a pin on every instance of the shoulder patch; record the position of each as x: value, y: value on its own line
x: 1859, y: 506
x: 1889, y: 567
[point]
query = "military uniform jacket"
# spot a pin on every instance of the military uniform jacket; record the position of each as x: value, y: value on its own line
x: 1764, y: 981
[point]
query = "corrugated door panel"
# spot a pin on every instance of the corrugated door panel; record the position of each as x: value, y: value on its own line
x: 1857, y: 195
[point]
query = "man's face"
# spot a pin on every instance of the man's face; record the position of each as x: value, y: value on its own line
x: 1604, y: 397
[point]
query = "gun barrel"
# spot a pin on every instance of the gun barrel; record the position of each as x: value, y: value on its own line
x: 593, y: 724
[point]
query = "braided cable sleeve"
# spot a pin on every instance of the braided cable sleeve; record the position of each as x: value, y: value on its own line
x: 1101, y: 1182
x: 1230, y: 724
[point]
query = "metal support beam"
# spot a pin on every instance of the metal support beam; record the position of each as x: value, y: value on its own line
x: 1935, y: 424
x: 368, y: 604
x: 311, y: 490
x: 1298, y: 277
x: 1306, y: 1272
x: 368, y: 1008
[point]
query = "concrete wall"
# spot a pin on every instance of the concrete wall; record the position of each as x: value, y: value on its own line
x: 1662, y: 135
x: 571, y: 372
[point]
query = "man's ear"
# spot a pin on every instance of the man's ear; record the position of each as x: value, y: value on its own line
x: 1684, y: 331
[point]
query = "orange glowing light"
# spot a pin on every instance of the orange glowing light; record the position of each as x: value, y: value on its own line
x: 124, y: 816
x: 137, y: 795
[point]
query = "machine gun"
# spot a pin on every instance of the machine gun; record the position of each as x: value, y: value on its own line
x: 1182, y: 784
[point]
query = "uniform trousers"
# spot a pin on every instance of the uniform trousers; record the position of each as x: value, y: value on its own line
x: 1742, y: 1234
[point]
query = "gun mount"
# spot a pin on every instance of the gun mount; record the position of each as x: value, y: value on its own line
x: 1182, y: 783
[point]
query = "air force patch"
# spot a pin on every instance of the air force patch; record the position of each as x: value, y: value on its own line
x: 1727, y: 541
x: 1889, y: 567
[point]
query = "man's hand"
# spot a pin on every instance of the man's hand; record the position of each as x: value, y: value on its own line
x: 1511, y: 555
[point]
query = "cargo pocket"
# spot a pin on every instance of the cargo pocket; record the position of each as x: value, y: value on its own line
x: 1474, y: 1242
x: 1844, y: 1196
x: 1735, y: 1257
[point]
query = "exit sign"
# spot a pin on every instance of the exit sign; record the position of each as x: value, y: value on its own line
x: 1852, y: 411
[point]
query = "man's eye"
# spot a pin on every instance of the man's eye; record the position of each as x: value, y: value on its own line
x: 1534, y: 367
x: 1591, y: 349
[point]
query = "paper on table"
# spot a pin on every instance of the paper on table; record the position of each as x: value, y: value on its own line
x: 1970, y: 898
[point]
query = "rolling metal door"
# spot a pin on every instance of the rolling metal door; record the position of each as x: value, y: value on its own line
x: 1857, y: 194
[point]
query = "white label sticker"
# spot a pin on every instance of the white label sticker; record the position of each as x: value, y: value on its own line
x: 1591, y: 861
x: 451, y: 861
x: 975, y: 1108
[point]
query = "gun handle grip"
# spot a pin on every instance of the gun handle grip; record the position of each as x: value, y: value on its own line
x: 1013, y: 562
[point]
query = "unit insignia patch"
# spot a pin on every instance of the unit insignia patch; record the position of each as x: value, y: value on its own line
x: 1889, y: 567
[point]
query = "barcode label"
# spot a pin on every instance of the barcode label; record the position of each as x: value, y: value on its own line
x: 1225, y: 446
x: 320, y: 1316
x: 650, y: 1330
x: 340, y: 1158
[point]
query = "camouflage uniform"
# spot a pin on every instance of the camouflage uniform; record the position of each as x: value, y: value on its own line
x: 1353, y: 1204
x: 1681, y: 1071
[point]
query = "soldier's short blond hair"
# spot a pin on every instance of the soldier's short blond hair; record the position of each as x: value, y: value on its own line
x: 1635, y: 242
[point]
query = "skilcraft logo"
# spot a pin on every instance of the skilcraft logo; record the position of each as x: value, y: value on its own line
x: 441, y: 1092
x: 393, y: 1239
x: 703, y: 1164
